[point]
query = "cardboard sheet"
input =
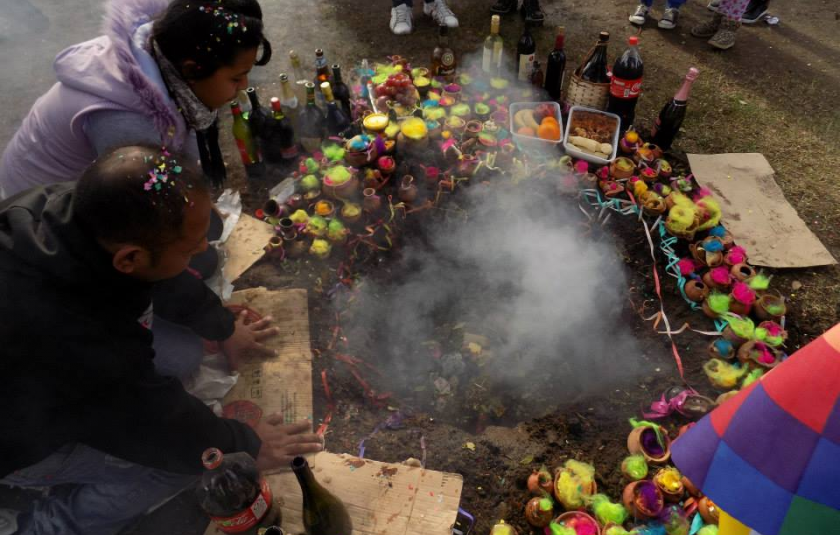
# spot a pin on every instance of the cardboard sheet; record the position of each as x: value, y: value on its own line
x: 282, y: 384
x: 756, y: 212
x: 246, y: 245
x: 382, y: 498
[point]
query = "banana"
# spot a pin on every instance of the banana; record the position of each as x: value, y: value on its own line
x: 524, y: 118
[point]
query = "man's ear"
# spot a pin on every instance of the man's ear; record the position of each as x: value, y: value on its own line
x: 130, y: 259
x: 190, y: 71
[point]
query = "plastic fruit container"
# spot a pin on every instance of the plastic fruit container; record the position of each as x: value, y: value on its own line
x: 573, y: 151
x: 534, y: 142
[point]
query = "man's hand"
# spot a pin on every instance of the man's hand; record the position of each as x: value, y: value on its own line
x: 246, y: 339
x: 282, y: 443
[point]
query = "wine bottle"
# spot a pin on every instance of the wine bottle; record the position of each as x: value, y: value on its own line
x: 525, y: 50
x: 537, y: 77
x: 444, y: 63
x: 311, y: 122
x: 287, y: 97
x: 337, y: 122
x: 491, y: 61
x: 322, y: 68
x: 279, y: 144
x: 246, y: 143
x: 341, y: 92
x: 595, y: 66
x: 671, y: 117
x: 323, y: 513
x: 259, y: 117
x: 555, y: 71
x: 297, y: 68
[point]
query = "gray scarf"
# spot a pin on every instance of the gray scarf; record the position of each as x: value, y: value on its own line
x: 198, y: 116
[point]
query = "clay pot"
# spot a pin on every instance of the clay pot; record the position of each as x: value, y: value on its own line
x: 696, y: 291
x: 636, y: 445
x: 707, y: 279
x: 742, y: 272
x: 588, y: 490
x: 622, y: 167
x: 432, y: 176
x: 636, y: 506
x: 473, y: 128
x: 708, y: 511
x: 572, y: 518
x: 296, y: 247
x: 708, y: 311
x: 503, y: 529
x: 673, y: 495
x: 728, y: 259
x: 737, y: 307
x: 371, y: 201
x: 455, y: 124
x: 690, y: 487
x: 536, y: 515
x: 722, y: 349
x: 271, y: 208
x: 344, y: 190
x: 728, y: 241
x: 351, y: 213
x: 653, y: 206
x: 324, y: 208
x: 769, y: 299
x: 296, y: 202
x: 287, y: 228
x: 611, y: 188
x: 730, y: 335
x: 654, y: 149
x: 386, y: 165
x: 710, y: 259
x: 408, y: 191
x: 360, y: 158
x: 274, y: 248
x: 748, y: 352
x: 625, y: 473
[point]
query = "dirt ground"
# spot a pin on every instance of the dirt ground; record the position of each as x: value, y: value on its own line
x: 774, y: 93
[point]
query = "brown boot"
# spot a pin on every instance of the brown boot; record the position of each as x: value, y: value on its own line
x: 724, y: 39
x: 708, y: 28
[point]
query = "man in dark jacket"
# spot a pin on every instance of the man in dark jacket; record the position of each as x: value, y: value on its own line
x: 83, y: 401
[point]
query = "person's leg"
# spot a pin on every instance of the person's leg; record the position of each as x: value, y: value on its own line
x: 731, y: 12
x: 396, y: 3
x: 755, y: 12
x: 439, y: 10
x: 108, y: 494
x: 640, y: 15
x: 401, y: 17
x: 178, y: 350
x: 671, y: 14
x: 532, y: 13
x: 502, y: 7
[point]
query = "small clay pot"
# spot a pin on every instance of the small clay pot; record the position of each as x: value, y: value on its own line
x: 747, y: 356
x: 536, y: 515
x: 722, y: 349
x: 654, y: 149
x: 708, y: 311
x: 737, y: 307
x: 708, y: 511
x: 360, y: 158
x: 571, y: 518
x: 742, y: 272
x: 664, y: 169
x: 653, y: 206
x: 271, y: 208
x: 707, y: 278
x: 696, y: 290
x: 729, y: 261
x: 690, y: 487
x: 627, y: 474
x: 371, y: 201
x: 347, y: 214
x: 635, y: 444
x: 611, y: 188
x: 344, y: 190
x: 773, y: 325
x: 386, y: 165
x: 455, y: 124
x: 296, y: 202
x: 274, y: 248
x: 730, y: 335
x: 770, y: 299
x: 622, y: 167
x: 636, y: 506
x: 502, y: 528
x: 473, y: 128
x: 588, y: 490
x: 324, y: 208
x: 287, y: 228
x: 408, y: 191
x: 670, y: 495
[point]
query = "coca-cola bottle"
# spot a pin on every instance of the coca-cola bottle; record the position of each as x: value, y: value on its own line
x: 234, y: 494
x: 671, y: 117
x: 626, y: 84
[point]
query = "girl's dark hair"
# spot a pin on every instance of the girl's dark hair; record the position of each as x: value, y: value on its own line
x: 211, y: 33
x: 118, y: 200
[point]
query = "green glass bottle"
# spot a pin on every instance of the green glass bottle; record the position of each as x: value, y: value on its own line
x: 323, y: 513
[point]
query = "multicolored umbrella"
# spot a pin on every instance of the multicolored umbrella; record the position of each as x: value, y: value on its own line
x: 770, y: 456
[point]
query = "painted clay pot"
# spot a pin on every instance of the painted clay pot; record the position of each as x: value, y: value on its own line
x: 737, y: 307
x: 653, y: 206
x: 708, y: 511
x: 473, y: 128
x: 696, y: 291
x: 755, y: 355
x: 643, y: 500
x: 711, y: 283
x: 669, y: 483
x: 708, y: 311
x: 274, y: 248
x: 775, y: 302
x: 324, y: 208
x: 351, y: 213
x: 432, y: 176
x: 371, y: 201
x: 296, y: 202
x: 536, y: 515
x: 611, y: 188
x: 622, y: 167
x: 691, y: 488
x: 642, y: 441
x: 730, y: 335
x: 572, y: 519
x: 287, y: 228
x: 722, y: 349
x: 386, y: 165
x: 742, y: 272
x: 360, y: 158
x: 408, y: 191
x: 501, y: 528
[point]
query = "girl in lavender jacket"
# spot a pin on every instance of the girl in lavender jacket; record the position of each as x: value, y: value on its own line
x: 158, y: 75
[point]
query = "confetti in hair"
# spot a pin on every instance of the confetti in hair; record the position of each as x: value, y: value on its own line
x: 163, y: 173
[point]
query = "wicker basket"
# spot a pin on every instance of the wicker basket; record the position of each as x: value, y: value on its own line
x: 589, y: 94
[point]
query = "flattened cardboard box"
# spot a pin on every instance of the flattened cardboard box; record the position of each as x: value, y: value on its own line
x: 382, y: 498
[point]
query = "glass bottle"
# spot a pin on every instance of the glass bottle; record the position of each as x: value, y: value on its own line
x: 555, y: 70
x: 287, y: 97
x: 246, y: 143
x: 595, y: 67
x: 323, y: 513
x: 673, y: 113
x: 311, y: 122
x: 443, y: 58
x: 337, y: 122
x: 626, y: 84
x: 341, y: 92
x: 491, y: 61
x: 279, y: 145
x: 322, y: 68
x: 525, y: 50
x: 259, y: 117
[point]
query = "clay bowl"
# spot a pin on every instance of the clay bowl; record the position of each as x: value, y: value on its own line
x: 672, y: 495
x: 633, y: 501
x: 571, y: 518
x: 535, y: 515
x: 708, y: 511
x: 742, y: 272
x: 640, y: 436
x: 696, y: 290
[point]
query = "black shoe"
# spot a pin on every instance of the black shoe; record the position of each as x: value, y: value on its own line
x: 503, y: 7
x: 755, y: 11
x: 532, y: 13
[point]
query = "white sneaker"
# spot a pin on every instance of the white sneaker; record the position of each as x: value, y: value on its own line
x: 713, y: 5
x: 640, y: 15
x: 401, y: 19
x: 669, y: 18
x: 439, y: 11
x: 8, y: 521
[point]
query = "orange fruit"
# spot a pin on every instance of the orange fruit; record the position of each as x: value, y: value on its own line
x: 526, y: 131
x: 549, y: 131
x: 549, y: 119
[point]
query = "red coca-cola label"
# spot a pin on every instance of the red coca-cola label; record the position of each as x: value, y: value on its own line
x: 626, y: 89
x: 251, y: 516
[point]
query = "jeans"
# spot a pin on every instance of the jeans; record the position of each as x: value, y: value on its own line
x: 109, y: 492
x: 410, y: 3
x: 675, y: 4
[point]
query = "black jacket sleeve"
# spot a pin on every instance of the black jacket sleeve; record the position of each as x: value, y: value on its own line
x: 187, y: 301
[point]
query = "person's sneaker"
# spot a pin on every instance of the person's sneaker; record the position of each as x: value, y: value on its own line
x: 640, y: 15
x: 439, y: 11
x: 724, y: 39
x: 755, y: 11
x: 713, y: 5
x: 503, y: 7
x: 401, y: 19
x: 8, y: 521
x: 669, y: 18
x: 532, y: 12
x: 708, y: 28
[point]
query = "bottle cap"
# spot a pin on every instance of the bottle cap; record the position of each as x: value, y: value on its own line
x: 284, y: 77
x: 275, y: 104
x: 211, y: 458
x: 634, y: 40
x: 692, y: 73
